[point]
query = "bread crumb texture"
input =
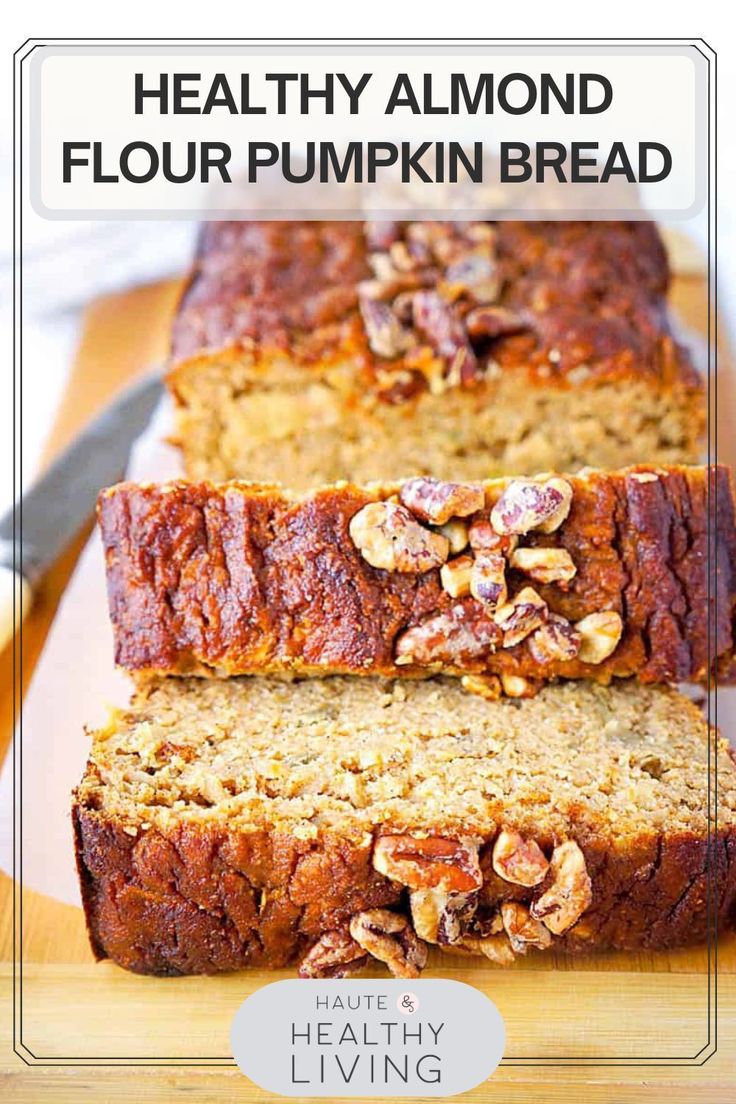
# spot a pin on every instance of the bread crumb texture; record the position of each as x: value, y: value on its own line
x: 356, y: 755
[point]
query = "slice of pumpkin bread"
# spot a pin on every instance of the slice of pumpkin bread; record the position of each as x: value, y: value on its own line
x: 314, y: 351
x: 510, y: 583
x: 222, y: 824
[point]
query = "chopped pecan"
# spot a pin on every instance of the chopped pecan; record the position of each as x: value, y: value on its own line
x: 409, y: 255
x: 488, y: 579
x: 456, y: 532
x: 523, y: 929
x: 429, y: 863
x: 485, y: 686
x: 555, y: 641
x: 521, y: 616
x: 455, y: 636
x: 518, y: 860
x: 570, y: 892
x: 386, y: 335
x: 389, y: 537
x: 434, y: 318
x: 599, y: 635
x: 473, y: 273
x: 484, y: 538
x: 382, y: 265
x: 516, y: 686
x: 544, y: 565
x: 528, y: 504
x: 436, y: 501
x: 455, y: 576
x: 440, y: 917
x: 485, y: 921
x: 492, y: 322
x: 556, y: 518
x: 389, y: 937
x: 335, y: 955
x: 403, y: 307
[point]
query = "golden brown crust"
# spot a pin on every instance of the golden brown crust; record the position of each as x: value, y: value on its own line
x: 206, y: 899
x: 588, y: 300
x: 234, y: 578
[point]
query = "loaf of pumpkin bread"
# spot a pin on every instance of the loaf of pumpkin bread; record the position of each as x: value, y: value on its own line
x: 508, y: 583
x: 254, y: 821
x: 308, y: 352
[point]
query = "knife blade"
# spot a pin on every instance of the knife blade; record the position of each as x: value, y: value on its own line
x: 51, y: 513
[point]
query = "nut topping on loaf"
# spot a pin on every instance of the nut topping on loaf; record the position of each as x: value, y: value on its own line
x: 308, y: 353
x: 401, y: 315
x: 335, y: 955
x: 528, y: 504
x: 388, y: 537
x: 518, y: 860
x: 438, y: 502
x: 429, y: 863
x: 599, y: 635
x: 569, y: 895
x: 523, y: 929
x: 236, y: 578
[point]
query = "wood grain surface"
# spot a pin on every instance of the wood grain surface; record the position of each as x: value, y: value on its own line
x: 79, y: 1012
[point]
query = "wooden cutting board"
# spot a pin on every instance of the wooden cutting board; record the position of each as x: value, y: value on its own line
x: 632, y: 1026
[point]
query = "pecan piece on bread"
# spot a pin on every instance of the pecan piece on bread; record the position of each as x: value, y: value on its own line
x: 556, y: 640
x: 484, y: 538
x: 389, y: 937
x: 473, y: 273
x: 462, y: 633
x: 570, y: 891
x: 440, y: 917
x: 334, y: 955
x: 484, y: 686
x: 386, y: 335
x: 522, y: 615
x: 544, y: 565
x: 450, y: 865
x: 435, y: 501
x: 491, y: 322
x: 389, y: 537
x: 516, y: 686
x: 435, y: 320
x: 488, y: 579
x: 599, y: 635
x: 455, y: 576
x: 528, y: 504
x: 523, y: 929
x: 456, y: 532
x: 518, y: 860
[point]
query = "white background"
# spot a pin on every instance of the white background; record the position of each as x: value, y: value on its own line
x: 58, y: 282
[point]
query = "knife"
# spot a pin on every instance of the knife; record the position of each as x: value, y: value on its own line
x: 40, y: 526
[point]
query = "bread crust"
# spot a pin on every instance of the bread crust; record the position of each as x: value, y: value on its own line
x: 592, y: 293
x: 238, y: 578
x: 200, y: 900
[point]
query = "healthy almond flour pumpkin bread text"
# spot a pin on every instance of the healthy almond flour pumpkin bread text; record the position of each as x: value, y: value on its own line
x: 330, y: 822
x: 509, y: 583
x: 312, y: 352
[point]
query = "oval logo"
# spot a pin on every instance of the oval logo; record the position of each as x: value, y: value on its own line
x: 367, y: 1038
